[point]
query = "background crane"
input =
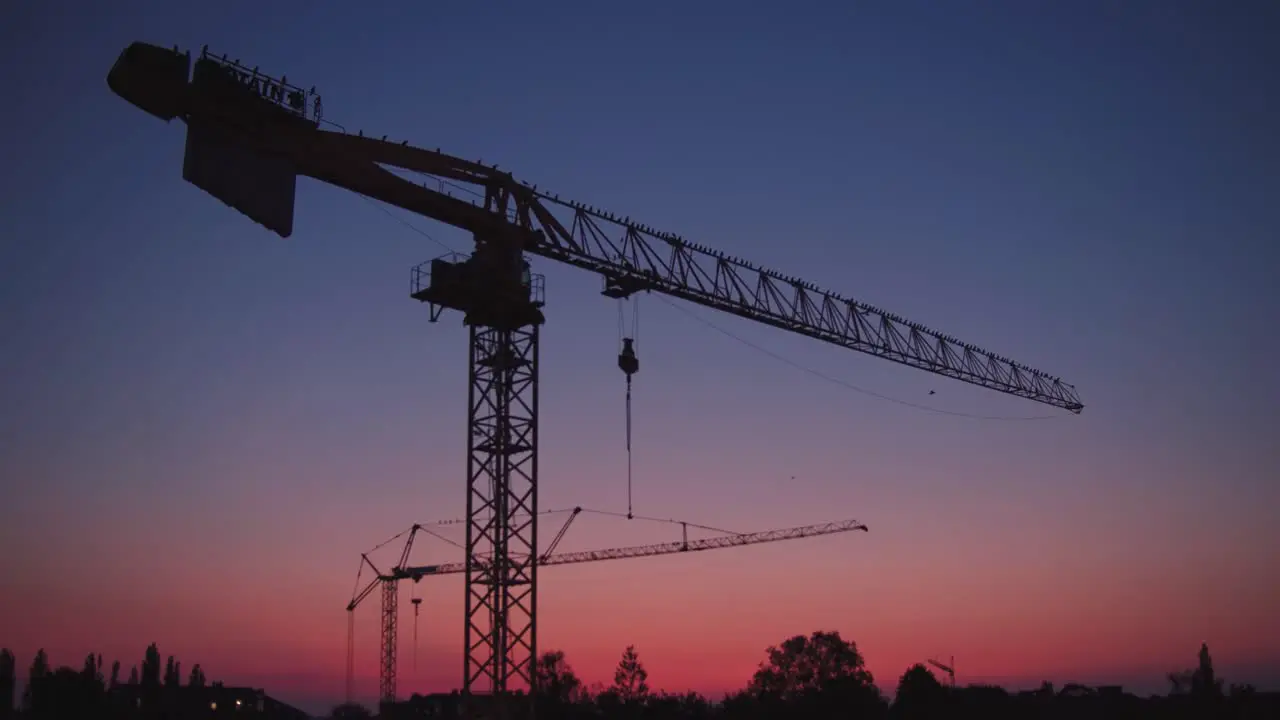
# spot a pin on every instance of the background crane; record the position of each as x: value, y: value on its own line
x: 250, y: 135
x: 388, y: 581
x: 949, y: 668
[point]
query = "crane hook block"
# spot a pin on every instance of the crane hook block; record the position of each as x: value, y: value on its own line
x: 627, y: 360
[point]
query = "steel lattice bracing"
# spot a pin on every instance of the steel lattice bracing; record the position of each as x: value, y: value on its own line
x: 390, y: 616
x: 502, y: 496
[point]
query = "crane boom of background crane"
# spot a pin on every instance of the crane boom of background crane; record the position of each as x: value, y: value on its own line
x: 403, y: 571
x: 638, y: 551
x: 276, y: 137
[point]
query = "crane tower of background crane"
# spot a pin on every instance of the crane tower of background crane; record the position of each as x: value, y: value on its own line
x: 249, y: 136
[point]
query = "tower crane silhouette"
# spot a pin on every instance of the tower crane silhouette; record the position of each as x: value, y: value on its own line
x: 249, y: 136
x: 948, y: 667
x: 388, y: 581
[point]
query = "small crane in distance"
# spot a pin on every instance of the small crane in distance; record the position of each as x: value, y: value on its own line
x: 387, y: 669
x: 948, y: 668
x: 249, y: 137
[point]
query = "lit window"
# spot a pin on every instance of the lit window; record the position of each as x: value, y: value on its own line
x: 237, y: 703
x: 213, y: 706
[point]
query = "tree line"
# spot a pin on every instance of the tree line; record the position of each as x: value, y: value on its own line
x: 817, y: 676
x: 822, y: 675
x: 69, y: 693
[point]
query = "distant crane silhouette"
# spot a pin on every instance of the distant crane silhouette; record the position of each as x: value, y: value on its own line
x: 403, y: 571
x: 948, y: 668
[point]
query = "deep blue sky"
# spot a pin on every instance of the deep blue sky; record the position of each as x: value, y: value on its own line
x: 1088, y: 187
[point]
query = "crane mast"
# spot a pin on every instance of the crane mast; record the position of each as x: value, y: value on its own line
x: 249, y: 136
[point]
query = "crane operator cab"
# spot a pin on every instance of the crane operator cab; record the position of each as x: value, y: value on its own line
x: 498, y: 301
x: 492, y: 288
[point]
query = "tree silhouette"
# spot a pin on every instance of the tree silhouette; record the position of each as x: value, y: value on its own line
x: 66, y: 694
x: 133, y: 676
x: 151, y: 667
x: 172, y: 673
x: 39, y: 669
x: 919, y: 694
x: 115, y: 674
x: 92, y: 672
x: 818, y: 677
x: 808, y: 664
x: 8, y: 683
x: 1180, y: 682
x: 630, y: 680
x: 687, y: 706
x: 1203, y: 681
x: 556, y: 679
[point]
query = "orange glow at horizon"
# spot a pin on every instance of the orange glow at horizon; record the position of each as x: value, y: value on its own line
x: 700, y: 622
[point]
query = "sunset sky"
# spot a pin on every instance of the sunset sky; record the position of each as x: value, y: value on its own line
x: 202, y: 425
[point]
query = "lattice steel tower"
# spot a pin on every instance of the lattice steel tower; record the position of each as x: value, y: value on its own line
x: 387, y: 654
x: 502, y: 302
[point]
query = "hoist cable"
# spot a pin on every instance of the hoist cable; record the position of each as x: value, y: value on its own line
x: 628, y: 446
x: 635, y: 321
